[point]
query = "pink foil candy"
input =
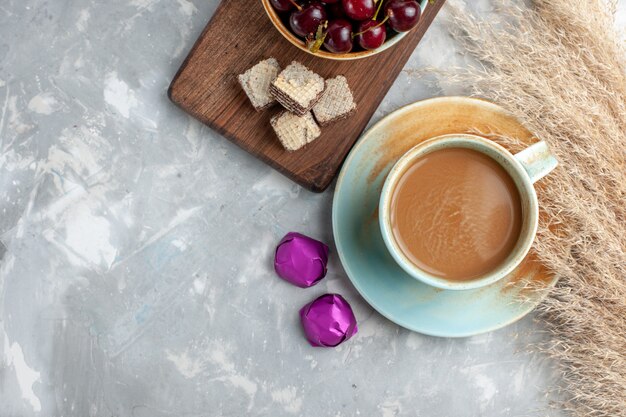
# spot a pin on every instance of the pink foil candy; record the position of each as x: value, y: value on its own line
x: 301, y: 260
x: 328, y: 321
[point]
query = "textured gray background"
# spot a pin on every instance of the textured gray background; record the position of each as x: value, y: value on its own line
x: 136, y: 246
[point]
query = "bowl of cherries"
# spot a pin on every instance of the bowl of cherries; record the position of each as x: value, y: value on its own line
x: 344, y: 29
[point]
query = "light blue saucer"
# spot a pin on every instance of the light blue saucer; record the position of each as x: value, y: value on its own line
x: 372, y: 270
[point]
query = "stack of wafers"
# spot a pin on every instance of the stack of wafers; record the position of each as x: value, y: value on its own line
x: 305, y: 95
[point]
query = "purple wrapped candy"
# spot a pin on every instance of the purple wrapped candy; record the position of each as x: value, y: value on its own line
x: 328, y: 321
x: 301, y: 260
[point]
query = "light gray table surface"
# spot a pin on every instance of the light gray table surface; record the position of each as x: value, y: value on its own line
x: 136, y: 246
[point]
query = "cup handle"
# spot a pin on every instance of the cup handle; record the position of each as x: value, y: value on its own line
x: 537, y: 161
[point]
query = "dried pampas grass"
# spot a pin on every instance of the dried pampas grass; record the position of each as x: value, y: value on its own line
x: 560, y: 68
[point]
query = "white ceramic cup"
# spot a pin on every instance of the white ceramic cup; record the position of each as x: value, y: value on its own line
x: 525, y: 168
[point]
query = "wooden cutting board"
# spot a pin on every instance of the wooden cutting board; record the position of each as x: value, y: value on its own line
x: 238, y: 36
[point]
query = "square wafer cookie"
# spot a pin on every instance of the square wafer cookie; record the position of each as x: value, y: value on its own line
x: 256, y: 83
x: 297, y: 88
x: 295, y: 131
x: 337, y: 102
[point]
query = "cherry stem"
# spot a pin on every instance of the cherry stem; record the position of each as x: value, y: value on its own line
x: 380, y: 4
x: 382, y: 22
x: 296, y: 4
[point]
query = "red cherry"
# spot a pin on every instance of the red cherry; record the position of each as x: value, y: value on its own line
x: 359, y: 9
x: 282, y: 5
x: 403, y: 14
x: 339, y: 36
x: 306, y: 21
x: 329, y: 1
x: 371, y: 34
